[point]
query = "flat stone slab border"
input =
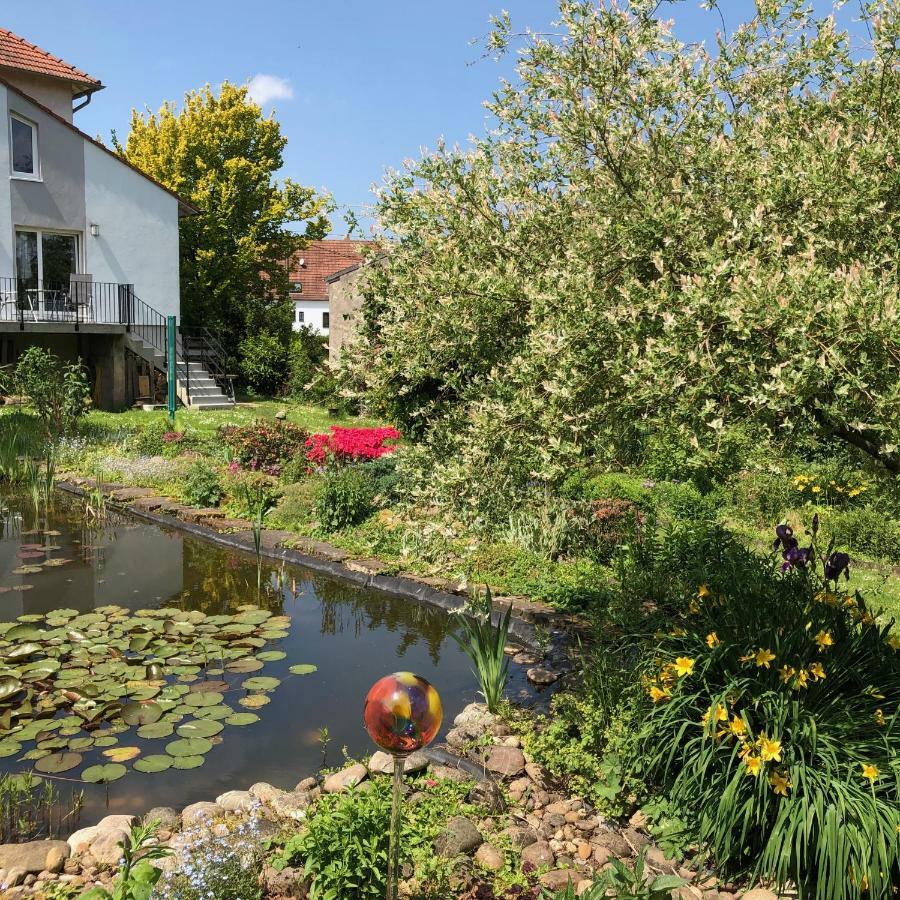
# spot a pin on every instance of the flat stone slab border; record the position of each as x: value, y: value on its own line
x: 320, y: 556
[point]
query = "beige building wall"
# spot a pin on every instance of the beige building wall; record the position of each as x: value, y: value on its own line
x: 345, y: 308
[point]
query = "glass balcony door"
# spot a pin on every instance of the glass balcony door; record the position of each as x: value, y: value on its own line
x: 45, y: 264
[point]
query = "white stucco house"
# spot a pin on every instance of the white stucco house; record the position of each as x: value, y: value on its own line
x: 89, y: 258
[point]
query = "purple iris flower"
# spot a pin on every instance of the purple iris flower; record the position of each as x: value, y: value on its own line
x: 785, y: 538
x: 796, y: 557
x: 836, y: 564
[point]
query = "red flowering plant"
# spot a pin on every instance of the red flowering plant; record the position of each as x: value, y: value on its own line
x: 346, y: 445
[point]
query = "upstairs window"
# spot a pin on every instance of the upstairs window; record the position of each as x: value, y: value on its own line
x: 325, y: 318
x: 299, y: 315
x: 297, y: 287
x: 24, y: 155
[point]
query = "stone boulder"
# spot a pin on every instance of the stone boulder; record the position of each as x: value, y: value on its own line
x: 237, y: 801
x: 345, y: 779
x: 165, y: 816
x: 199, y: 813
x: 265, y: 792
x: 32, y: 856
x: 488, y: 856
x: 538, y: 854
x: 507, y: 762
x: 458, y: 836
x: 485, y: 793
x: 382, y: 763
x: 291, y: 805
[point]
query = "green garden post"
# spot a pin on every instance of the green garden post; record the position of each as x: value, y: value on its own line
x: 172, y: 372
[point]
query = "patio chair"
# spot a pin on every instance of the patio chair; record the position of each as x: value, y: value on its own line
x: 81, y: 295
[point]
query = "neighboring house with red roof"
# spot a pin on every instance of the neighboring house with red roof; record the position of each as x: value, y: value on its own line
x: 88, y: 244
x: 308, y: 271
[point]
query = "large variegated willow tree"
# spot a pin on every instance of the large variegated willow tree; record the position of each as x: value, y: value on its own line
x: 656, y: 242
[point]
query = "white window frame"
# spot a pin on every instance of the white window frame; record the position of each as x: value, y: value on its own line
x: 27, y: 176
x: 40, y: 232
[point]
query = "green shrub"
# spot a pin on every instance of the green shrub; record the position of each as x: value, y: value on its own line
x: 346, y: 496
x: 623, y: 882
x: 263, y: 362
x: 58, y: 391
x: 387, y: 482
x: 864, y: 530
x: 682, y: 500
x: 306, y: 356
x: 344, y: 844
x: 784, y: 695
x: 760, y: 497
x: 158, y: 438
x: 202, y: 486
x: 608, y: 486
x: 265, y: 445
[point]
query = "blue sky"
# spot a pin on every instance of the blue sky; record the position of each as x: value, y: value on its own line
x: 357, y: 86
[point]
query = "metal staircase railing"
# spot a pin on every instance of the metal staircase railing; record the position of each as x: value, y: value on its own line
x: 201, y: 345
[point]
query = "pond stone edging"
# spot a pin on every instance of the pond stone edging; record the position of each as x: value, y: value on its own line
x: 319, y: 556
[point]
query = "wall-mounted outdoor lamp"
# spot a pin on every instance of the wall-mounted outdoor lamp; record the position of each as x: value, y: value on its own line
x: 95, y: 229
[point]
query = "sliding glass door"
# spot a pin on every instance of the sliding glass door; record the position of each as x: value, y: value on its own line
x: 45, y: 264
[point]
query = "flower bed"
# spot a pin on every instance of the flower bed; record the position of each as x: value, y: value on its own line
x: 351, y: 444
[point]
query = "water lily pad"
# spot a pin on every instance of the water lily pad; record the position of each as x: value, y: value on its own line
x: 203, y: 698
x: 195, y: 746
x: 222, y: 711
x: 122, y: 754
x: 156, y: 730
x: 156, y: 762
x: 271, y: 655
x: 254, y: 701
x: 56, y: 562
x: 23, y: 651
x: 242, y: 719
x: 103, y: 774
x: 58, y: 762
x: 187, y: 762
x: 142, y: 713
x: 202, y: 728
x: 9, y: 687
x: 9, y: 748
x: 81, y: 743
x: 303, y: 669
x: 27, y: 570
x: 261, y: 683
x: 244, y: 666
x: 209, y: 686
x: 105, y: 740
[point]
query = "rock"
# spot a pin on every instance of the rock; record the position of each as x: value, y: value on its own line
x: 558, y: 879
x: 485, y: 793
x: 200, y: 812
x: 638, y: 820
x: 450, y: 773
x: 603, y: 855
x: 307, y: 784
x: 500, y: 729
x: 345, y: 779
x: 476, y: 714
x: 490, y: 857
x: 283, y: 883
x: 30, y: 856
x: 458, y: 836
x: 116, y: 823
x: 526, y: 659
x: 167, y: 817
x: 521, y: 836
x: 584, y: 850
x: 56, y: 857
x: 614, y: 842
x: 759, y: 894
x: 281, y: 415
x: 538, y: 854
x: 291, y: 806
x: 536, y: 773
x: 635, y: 838
x: 657, y: 859
x: 504, y: 761
x: 14, y: 876
x: 463, y: 735
x: 583, y: 887
x: 543, y: 677
x: 106, y: 848
x: 265, y: 792
x: 237, y: 801
x: 383, y: 763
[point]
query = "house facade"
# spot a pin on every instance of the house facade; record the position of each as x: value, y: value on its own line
x: 308, y: 270
x: 89, y: 261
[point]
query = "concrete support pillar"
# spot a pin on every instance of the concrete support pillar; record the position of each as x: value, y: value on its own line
x: 108, y: 352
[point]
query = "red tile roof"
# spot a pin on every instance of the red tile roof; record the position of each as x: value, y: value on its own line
x: 17, y: 53
x: 319, y: 260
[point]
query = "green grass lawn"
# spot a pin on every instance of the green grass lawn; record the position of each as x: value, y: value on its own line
x: 311, y: 418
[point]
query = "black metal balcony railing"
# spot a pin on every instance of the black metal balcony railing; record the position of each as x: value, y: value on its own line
x: 77, y: 301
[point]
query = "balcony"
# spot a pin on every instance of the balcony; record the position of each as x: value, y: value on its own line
x: 79, y: 301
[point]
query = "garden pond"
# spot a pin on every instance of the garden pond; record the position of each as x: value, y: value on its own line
x: 146, y: 667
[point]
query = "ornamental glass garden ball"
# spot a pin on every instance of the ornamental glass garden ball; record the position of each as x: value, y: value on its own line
x: 402, y: 713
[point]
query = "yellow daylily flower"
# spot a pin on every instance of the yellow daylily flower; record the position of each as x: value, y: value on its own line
x: 786, y: 673
x: 754, y: 765
x: 871, y: 772
x: 704, y: 591
x: 802, y: 679
x: 712, y: 640
x: 816, y: 489
x: 763, y: 657
x: 824, y: 640
x: 879, y: 717
x: 738, y: 728
x: 893, y: 642
x: 683, y: 666
x: 658, y: 694
x: 769, y: 748
x: 780, y: 783
x: 817, y: 671
x: 677, y: 632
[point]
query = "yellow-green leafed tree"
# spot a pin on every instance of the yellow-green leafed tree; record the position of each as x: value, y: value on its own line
x: 221, y: 154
